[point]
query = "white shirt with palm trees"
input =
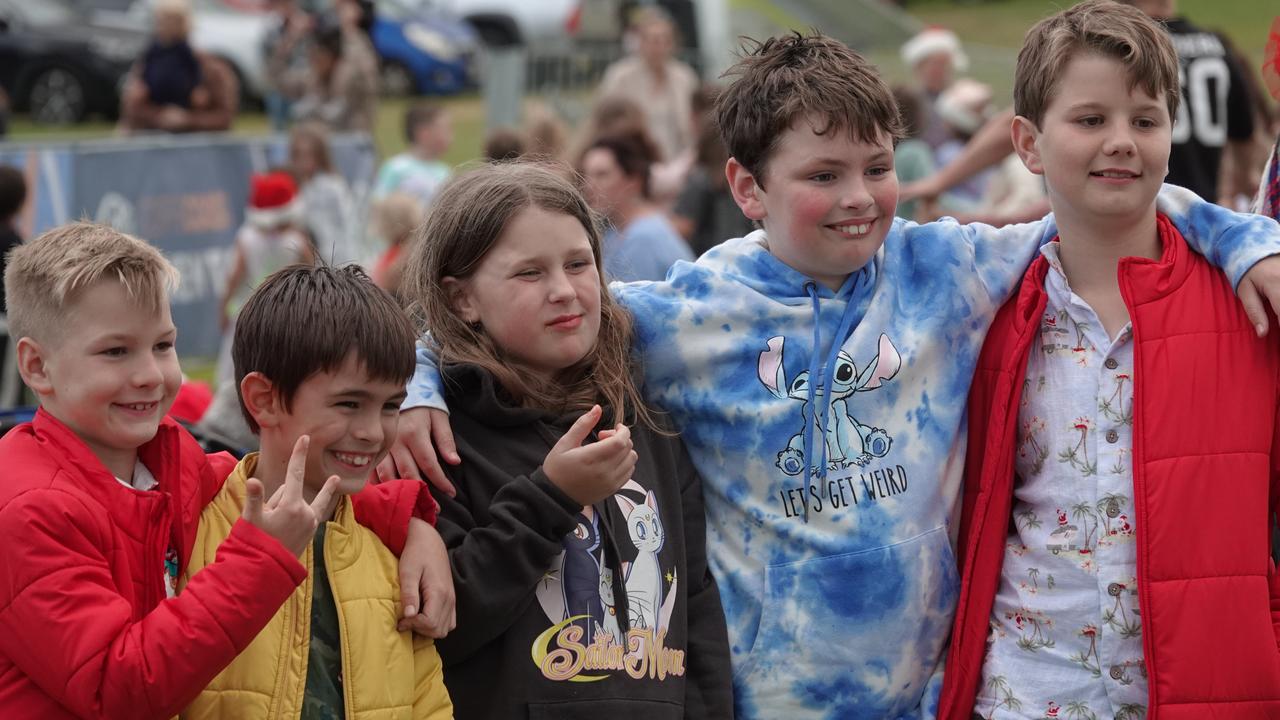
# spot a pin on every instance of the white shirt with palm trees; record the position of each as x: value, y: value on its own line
x: 1066, y: 636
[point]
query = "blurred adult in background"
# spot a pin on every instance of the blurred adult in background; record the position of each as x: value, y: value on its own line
x: 338, y: 92
x: 173, y: 88
x: 964, y: 107
x: 355, y: 18
x: 328, y: 210
x: 168, y: 69
x: 705, y: 212
x: 287, y: 49
x: 934, y: 56
x: 662, y: 86
x: 641, y: 243
x: 912, y: 157
x: 1215, y: 114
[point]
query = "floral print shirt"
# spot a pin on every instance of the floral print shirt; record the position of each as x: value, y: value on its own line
x: 1066, y: 634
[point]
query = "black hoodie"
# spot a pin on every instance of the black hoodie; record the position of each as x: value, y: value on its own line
x: 549, y: 591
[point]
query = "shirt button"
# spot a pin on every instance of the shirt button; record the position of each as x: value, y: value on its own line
x: 1111, y: 363
x: 1112, y: 436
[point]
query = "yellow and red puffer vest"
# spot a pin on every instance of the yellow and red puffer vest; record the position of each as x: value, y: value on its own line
x: 387, y: 674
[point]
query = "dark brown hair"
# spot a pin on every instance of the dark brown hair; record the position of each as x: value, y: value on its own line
x: 504, y: 143
x: 465, y: 221
x: 1103, y: 27
x: 633, y: 150
x: 797, y: 76
x: 306, y: 319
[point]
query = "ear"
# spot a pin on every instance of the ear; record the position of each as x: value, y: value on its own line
x: 32, y: 367
x: 625, y: 503
x: 746, y: 192
x: 1025, y: 138
x: 261, y: 399
x: 460, y: 299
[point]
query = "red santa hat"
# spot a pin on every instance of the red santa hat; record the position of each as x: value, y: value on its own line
x: 272, y: 200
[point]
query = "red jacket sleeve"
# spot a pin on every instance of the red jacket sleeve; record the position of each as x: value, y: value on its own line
x: 386, y: 508
x: 66, y: 625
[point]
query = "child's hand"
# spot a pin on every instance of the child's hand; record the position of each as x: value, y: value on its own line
x: 1262, y: 281
x: 288, y: 517
x: 421, y: 431
x: 590, y: 473
x: 425, y: 576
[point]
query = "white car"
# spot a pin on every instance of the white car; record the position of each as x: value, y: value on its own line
x: 536, y: 24
x: 236, y: 36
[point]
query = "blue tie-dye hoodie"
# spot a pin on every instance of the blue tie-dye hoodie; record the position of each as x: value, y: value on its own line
x: 830, y: 495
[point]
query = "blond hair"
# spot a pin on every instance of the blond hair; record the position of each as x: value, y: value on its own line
x: 1103, y: 27
x: 396, y: 216
x: 46, y: 275
x: 464, y: 223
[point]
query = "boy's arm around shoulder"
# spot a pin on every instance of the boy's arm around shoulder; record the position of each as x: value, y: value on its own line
x: 498, y: 562
x: 709, y: 688
x: 67, y: 627
x: 1243, y: 245
x: 1234, y: 242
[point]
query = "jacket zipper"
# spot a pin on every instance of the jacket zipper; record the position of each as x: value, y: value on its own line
x: 343, y: 644
x: 1140, y: 500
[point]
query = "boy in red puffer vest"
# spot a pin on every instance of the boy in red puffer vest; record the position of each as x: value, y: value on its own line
x: 1122, y: 462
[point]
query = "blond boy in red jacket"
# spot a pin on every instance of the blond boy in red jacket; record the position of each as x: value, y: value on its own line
x: 102, y: 493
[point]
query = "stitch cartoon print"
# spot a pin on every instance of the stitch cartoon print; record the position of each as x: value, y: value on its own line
x: 848, y: 442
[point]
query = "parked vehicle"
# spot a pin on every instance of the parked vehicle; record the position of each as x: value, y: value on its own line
x: 538, y: 25
x: 59, y: 64
x: 422, y: 51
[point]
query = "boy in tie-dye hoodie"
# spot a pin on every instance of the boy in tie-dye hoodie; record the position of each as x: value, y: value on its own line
x: 818, y: 369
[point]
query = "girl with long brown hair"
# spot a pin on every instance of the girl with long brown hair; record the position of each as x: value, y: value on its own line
x: 577, y: 533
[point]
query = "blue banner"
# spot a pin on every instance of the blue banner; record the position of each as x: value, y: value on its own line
x: 186, y: 194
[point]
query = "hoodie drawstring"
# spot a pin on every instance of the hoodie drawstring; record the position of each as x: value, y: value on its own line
x: 815, y: 424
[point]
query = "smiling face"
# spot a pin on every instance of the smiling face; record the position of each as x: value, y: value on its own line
x: 536, y: 293
x: 352, y: 420
x: 829, y: 202
x: 111, y: 374
x: 1103, y: 147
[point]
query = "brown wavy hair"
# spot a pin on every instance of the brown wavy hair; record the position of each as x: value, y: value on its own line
x: 465, y: 221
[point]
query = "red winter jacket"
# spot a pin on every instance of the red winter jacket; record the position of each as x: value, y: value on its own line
x: 1206, y: 460
x: 85, y: 629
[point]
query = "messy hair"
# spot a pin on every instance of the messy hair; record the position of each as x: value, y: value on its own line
x: 46, y: 275
x: 307, y: 319
x: 464, y: 223
x: 1103, y: 27
x: 795, y: 76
